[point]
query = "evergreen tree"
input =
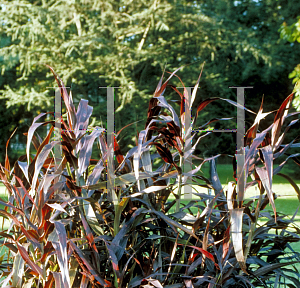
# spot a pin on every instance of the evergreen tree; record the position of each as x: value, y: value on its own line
x: 93, y: 44
x: 291, y: 33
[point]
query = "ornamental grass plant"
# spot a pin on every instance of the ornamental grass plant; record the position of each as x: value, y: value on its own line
x: 76, y: 223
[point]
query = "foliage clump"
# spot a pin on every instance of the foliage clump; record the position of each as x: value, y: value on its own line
x: 75, y: 222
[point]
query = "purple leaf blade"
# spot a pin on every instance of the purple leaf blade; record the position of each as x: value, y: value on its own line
x: 86, y: 151
x: 31, y: 131
x: 61, y: 250
x: 40, y: 162
x: 88, y: 265
x: 30, y: 263
x: 264, y: 177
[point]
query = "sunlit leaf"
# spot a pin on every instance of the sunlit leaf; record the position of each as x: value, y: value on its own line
x: 236, y: 220
x: 30, y: 263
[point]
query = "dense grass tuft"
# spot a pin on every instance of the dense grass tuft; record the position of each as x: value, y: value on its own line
x: 125, y: 221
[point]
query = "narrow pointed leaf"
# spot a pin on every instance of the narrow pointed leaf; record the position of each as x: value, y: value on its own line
x: 163, y: 103
x: 61, y: 250
x: 27, y: 259
x: 292, y: 182
x: 58, y: 280
x: 40, y: 161
x: 264, y: 177
x: 90, y: 238
x: 174, y: 223
x: 86, y: 151
x: 268, y: 159
x: 236, y: 221
x: 88, y: 265
x: 84, y: 112
x: 18, y: 270
x: 225, y: 247
x: 196, y: 86
x: 24, y: 168
x: 280, y: 117
x: 204, y: 252
x: 230, y: 193
x: 6, y: 164
x: 31, y: 131
x: 68, y: 102
x: 271, y: 267
x: 161, y: 88
x: 280, y: 166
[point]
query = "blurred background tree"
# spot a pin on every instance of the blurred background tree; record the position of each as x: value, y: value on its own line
x: 93, y: 44
x: 291, y: 33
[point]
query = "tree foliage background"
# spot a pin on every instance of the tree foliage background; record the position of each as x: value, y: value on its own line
x: 127, y: 44
x: 291, y: 33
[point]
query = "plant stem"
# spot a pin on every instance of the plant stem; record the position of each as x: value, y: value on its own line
x: 179, y: 185
x: 252, y: 229
x: 117, y: 219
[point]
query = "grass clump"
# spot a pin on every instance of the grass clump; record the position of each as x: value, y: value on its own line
x: 83, y: 222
